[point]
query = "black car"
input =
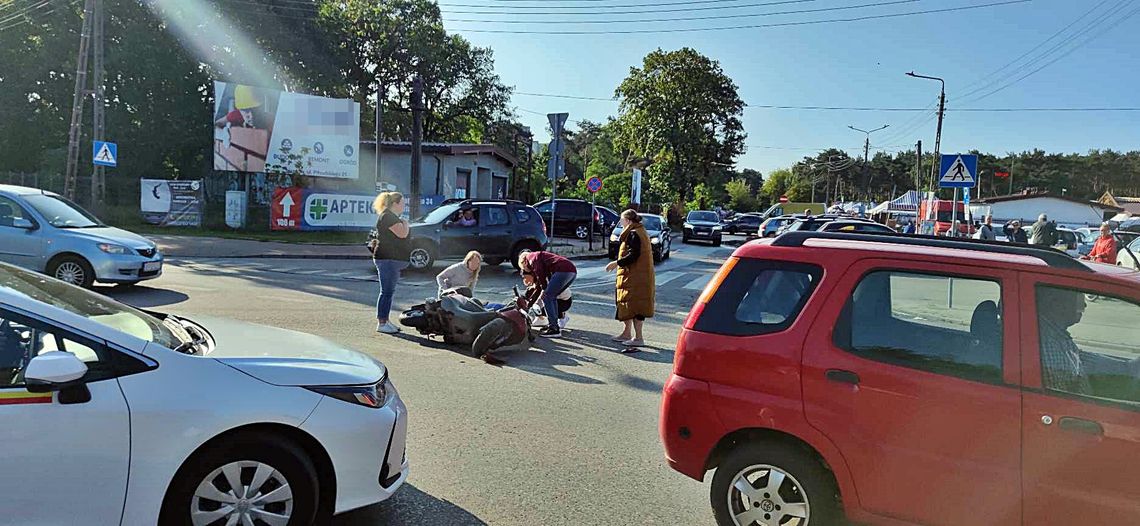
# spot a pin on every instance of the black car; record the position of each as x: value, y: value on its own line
x: 703, y: 225
x: 501, y: 229
x: 572, y: 217
x: 660, y: 237
x: 610, y: 218
x: 856, y: 225
x: 809, y: 223
x: 747, y: 224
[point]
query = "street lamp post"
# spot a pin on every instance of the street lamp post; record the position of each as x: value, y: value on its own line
x: 866, y: 155
x: 938, y: 136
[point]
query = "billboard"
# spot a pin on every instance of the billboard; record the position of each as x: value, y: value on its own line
x: 171, y: 203
x: 305, y: 209
x: 256, y: 129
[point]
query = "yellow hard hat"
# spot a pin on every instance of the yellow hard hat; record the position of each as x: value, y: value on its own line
x: 246, y: 98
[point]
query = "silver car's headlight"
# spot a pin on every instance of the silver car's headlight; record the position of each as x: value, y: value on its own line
x: 114, y: 249
x: 614, y: 238
x: 688, y: 225
x: 718, y: 227
x: 655, y: 240
x: 373, y: 395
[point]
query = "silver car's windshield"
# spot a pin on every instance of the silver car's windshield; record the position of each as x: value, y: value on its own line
x: 652, y: 223
x: 92, y: 306
x: 61, y: 213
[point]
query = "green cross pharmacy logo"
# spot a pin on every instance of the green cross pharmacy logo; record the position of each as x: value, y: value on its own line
x: 318, y: 209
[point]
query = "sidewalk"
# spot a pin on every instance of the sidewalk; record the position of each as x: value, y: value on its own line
x: 212, y: 247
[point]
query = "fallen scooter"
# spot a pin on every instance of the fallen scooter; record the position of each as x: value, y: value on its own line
x: 463, y: 320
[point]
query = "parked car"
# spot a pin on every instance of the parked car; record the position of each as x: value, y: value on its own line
x: 824, y: 375
x: 771, y: 226
x: 503, y: 230
x: 746, y: 224
x: 572, y: 217
x: 133, y: 417
x: 610, y: 218
x: 855, y: 225
x: 704, y: 225
x: 1128, y: 252
x: 660, y: 237
x: 810, y: 223
x: 45, y: 232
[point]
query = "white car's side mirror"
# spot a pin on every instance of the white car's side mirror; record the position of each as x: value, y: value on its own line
x: 53, y: 370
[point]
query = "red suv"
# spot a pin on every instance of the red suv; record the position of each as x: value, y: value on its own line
x: 910, y: 380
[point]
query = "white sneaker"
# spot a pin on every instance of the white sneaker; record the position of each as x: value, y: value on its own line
x: 563, y: 321
x: 387, y: 328
x: 539, y: 322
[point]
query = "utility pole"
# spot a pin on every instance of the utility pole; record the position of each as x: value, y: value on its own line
x: 938, y: 136
x: 918, y: 166
x: 515, y: 165
x: 866, y: 156
x: 529, y: 164
x: 98, y: 184
x: 379, y: 122
x: 70, y: 181
x: 417, y: 142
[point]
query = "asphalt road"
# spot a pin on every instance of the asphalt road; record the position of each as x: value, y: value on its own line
x: 565, y: 433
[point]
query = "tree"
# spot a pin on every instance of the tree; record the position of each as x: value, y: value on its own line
x: 681, y: 110
x: 740, y: 196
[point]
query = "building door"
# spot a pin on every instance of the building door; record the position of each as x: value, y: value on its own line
x: 498, y: 187
x: 462, y: 184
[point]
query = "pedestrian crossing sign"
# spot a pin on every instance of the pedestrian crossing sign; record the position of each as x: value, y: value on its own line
x: 958, y: 171
x: 105, y: 153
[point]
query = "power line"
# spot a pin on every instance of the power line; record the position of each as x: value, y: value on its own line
x: 548, y: 10
x: 688, y: 19
x: 752, y: 26
x: 27, y: 11
x: 574, y: 97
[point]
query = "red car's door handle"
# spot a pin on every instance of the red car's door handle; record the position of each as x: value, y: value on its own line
x: 843, y: 377
x: 1081, y: 425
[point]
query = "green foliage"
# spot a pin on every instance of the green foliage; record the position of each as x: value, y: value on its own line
x: 682, y: 111
x: 740, y: 195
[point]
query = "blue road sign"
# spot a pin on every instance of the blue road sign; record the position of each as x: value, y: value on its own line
x: 958, y: 171
x: 593, y: 185
x: 104, y: 153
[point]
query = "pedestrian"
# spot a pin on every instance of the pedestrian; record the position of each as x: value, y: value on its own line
x: 1104, y: 250
x: 954, y: 229
x: 636, y: 287
x: 389, y: 253
x: 910, y: 228
x: 1016, y: 233
x: 1043, y: 232
x: 986, y: 231
x: 462, y: 274
x: 553, y: 274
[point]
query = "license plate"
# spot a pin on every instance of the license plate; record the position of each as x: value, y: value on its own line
x: 152, y: 266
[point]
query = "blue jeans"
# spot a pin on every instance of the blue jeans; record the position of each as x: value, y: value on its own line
x: 558, y: 283
x: 389, y: 272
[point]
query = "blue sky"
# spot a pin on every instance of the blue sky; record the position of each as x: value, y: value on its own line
x: 858, y: 64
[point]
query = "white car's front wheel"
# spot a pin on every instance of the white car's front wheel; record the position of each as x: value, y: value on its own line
x: 247, y: 480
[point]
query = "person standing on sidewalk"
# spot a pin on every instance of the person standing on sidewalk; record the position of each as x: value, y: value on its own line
x: 1104, y: 250
x: 553, y: 274
x: 636, y: 287
x: 462, y: 274
x: 389, y: 253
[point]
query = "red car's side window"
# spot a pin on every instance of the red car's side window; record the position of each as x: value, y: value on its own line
x: 1088, y: 344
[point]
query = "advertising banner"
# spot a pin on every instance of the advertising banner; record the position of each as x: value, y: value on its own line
x: 258, y: 130
x: 304, y: 209
x: 171, y: 203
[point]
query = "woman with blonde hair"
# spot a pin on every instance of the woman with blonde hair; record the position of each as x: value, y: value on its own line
x: 636, y: 288
x: 462, y: 274
x: 389, y: 253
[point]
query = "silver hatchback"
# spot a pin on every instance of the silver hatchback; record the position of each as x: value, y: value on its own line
x: 45, y: 232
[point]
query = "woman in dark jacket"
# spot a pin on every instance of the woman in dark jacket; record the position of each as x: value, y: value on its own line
x: 553, y: 274
x: 636, y: 287
x: 389, y: 253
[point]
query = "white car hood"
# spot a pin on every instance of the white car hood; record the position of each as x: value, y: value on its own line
x: 284, y: 357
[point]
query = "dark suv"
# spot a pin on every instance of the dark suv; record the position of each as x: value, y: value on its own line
x: 571, y: 217
x: 891, y: 379
x: 500, y: 231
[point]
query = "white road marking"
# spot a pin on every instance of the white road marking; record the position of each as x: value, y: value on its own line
x: 699, y: 283
x: 666, y: 277
x: 590, y: 272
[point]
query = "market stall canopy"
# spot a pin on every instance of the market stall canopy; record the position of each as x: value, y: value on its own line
x: 907, y: 202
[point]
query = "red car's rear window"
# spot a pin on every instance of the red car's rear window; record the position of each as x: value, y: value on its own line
x: 759, y: 297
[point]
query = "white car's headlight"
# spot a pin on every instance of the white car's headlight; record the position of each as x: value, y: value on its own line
x: 374, y: 395
x: 614, y: 238
x: 114, y: 249
x: 688, y: 225
x: 655, y: 241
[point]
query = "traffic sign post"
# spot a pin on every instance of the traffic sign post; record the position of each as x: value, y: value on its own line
x: 957, y: 171
x: 556, y: 168
x: 104, y: 153
x: 593, y: 185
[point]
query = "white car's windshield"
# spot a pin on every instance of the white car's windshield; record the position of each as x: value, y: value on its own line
x: 61, y: 213
x: 92, y: 306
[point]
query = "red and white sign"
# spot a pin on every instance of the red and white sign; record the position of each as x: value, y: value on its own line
x: 783, y: 199
x: 285, y: 212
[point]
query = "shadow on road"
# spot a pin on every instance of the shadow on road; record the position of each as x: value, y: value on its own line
x: 410, y: 507
x: 144, y: 297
